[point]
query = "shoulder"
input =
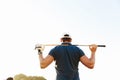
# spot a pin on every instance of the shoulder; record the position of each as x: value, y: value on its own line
x: 75, y: 47
x: 80, y: 51
x: 53, y: 51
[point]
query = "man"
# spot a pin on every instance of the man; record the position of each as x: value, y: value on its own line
x: 67, y: 57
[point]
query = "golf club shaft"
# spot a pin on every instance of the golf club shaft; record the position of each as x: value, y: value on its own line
x: 73, y: 44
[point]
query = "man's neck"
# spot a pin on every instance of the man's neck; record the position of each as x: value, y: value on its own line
x: 66, y: 43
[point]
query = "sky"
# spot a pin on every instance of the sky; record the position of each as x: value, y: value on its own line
x: 25, y: 23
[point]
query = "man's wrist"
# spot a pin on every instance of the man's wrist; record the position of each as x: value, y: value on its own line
x: 39, y: 52
x: 93, y: 52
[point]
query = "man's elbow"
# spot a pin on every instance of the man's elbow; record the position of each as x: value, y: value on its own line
x: 91, y: 66
x: 42, y: 66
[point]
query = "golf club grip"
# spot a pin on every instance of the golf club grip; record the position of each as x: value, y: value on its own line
x: 101, y: 45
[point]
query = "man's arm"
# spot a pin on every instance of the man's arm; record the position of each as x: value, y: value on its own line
x: 89, y: 62
x: 44, y: 62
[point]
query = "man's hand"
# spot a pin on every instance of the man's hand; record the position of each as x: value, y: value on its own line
x: 93, y: 48
x: 40, y: 48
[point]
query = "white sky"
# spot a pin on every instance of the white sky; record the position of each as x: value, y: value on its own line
x: 24, y: 23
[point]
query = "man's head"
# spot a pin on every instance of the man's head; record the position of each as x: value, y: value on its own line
x: 66, y: 38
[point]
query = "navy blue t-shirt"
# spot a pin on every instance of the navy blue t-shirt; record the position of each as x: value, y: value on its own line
x: 67, y: 59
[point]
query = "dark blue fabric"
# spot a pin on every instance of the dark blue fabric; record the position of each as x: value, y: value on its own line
x: 67, y: 59
x: 63, y: 77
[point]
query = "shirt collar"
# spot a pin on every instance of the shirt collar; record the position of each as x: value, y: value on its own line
x: 66, y: 43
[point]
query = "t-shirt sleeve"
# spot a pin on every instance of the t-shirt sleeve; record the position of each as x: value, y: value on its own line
x: 81, y: 53
x: 52, y: 53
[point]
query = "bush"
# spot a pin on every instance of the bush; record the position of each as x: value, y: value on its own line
x: 24, y: 77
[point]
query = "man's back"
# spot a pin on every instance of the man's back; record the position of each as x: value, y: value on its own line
x: 67, y: 57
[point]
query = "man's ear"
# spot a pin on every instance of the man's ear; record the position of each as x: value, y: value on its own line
x: 61, y: 40
x: 70, y: 40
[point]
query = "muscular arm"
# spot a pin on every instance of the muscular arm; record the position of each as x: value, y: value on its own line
x: 89, y: 62
x: 44, y: 62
